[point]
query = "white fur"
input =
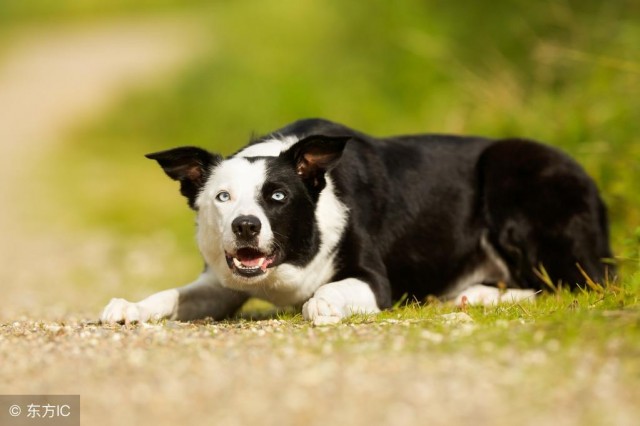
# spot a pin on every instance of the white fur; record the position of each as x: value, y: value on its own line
x: 268, y: 148
x: 282, y: 285
x: 485, y: 295
x: 155, y: 307
x: 493, y: 269
x: 501, y: 270
x: 203, y: 297
x: 334, y: 301
x: 243, y: 180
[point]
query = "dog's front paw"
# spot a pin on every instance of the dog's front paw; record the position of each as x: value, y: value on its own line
x: 121, y: 310
x: 154, y: 308
x: 337, y: 300
x: 321, y: 311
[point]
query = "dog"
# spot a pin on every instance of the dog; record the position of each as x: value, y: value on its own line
x: 336, y: 222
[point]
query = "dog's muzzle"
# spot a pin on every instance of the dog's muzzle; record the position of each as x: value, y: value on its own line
x: 248, y: 260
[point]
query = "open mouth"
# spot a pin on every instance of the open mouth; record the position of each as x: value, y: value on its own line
x: 250, y: 262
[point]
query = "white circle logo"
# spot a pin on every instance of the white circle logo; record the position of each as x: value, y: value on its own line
x: 15, y: 410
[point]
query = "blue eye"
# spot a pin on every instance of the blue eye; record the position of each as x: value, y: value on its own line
x: 223, y: 196
x: 278, y: 196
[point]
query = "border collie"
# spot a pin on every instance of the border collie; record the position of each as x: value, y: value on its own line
x: 323, y: 217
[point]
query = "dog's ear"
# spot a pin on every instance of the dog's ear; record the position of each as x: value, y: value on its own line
x: 190, y: 166
x: 313, y: 156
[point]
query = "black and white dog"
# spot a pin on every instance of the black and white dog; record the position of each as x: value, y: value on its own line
x: 324, y: 217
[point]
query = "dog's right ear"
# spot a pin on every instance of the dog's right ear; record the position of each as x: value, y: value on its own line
x: 190, y: 166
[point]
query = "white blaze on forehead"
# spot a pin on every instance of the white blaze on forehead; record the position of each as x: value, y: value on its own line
x: 243, y: 180
x: 268, y: 148
x: 238, y: 176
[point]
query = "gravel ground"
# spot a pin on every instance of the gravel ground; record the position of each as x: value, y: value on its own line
x: 284, y: 372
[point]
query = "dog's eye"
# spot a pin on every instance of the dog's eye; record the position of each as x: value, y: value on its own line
x: 278, y: 196
x: 223, y: 196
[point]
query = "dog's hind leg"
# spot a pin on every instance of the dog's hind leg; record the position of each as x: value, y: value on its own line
x: 489, y: 295
x: 543, y: 212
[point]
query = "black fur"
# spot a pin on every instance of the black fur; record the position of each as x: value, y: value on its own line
x: 419, y: 206
x: 190, y: 166
x: 293, y: 221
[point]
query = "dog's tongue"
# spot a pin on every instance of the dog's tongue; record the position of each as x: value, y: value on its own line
x: 252, y: 262
x: 251, y: 258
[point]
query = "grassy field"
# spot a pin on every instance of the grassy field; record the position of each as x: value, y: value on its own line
x: 567, y: 73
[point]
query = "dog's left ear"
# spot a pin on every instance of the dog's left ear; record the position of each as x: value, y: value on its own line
x: 313, y: 156
x: 189, y: 165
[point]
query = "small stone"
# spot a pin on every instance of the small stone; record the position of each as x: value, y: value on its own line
x: 456, y: 318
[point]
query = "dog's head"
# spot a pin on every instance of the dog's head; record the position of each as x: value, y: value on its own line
x: 256, y: 209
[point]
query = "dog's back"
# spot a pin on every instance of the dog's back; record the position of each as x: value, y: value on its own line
x: 436, y: 211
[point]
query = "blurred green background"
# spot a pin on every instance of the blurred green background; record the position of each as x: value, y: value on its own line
x: 564, y: 72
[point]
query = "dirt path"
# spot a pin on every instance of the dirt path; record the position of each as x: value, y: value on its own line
x: 51, y: 79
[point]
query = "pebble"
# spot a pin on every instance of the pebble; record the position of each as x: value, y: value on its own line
x: 456, y: 318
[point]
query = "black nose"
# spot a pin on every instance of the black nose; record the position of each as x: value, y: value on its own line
x: 246, y: 227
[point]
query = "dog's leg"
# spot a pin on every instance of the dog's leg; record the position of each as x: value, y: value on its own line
x: 340, y: 299
x: 204, y: 297
x: 487, y: 295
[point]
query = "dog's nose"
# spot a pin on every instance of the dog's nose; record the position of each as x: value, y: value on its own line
x: 246, y: 227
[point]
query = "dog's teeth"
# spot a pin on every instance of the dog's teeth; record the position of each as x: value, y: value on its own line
x: 260, y: 264
x: 264, y: 264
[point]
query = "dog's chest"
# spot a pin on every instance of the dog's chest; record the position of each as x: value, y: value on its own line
x: 292, y: 285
